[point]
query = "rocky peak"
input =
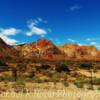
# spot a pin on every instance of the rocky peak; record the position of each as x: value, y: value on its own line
x: 44, y: 43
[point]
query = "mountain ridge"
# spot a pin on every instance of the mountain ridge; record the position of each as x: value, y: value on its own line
x: 46, y: 50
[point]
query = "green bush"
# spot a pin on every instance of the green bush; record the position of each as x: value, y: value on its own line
x: 98, y: 87
x: 85, y: 65
x: 96, y: 81
x: 6, y: 78
x: 63, y: 67
x: 1, y: 79
x: 79, y: 83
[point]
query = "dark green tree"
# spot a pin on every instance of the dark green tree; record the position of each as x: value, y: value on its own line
x: 63, y: 67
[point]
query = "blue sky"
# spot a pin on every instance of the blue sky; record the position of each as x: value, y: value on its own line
x: 62, y: 21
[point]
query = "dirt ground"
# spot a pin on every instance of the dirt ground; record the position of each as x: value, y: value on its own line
x: 48, y: 92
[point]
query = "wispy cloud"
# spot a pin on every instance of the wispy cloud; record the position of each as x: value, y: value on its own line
x: 71, y: 40
x: 5, y: 33
x: 39, y: 19
x: 94, y: 43
x: 92, y: 39
x: 75, y: 7
x: 35, y: 29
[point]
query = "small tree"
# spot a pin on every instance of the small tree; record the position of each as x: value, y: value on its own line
x: 63, y: 67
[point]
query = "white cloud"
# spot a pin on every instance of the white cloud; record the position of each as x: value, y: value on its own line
x: 34, y: 28
x: 8, y: 40
x: 72, y: 8
x: 38, y: 31
x: 75, y: 7
x: 96, y: 44
x: 71, y: 40
x: 90, y: 39
x: 5, y: 33
x: 93, y: 43
x: 9, y: 31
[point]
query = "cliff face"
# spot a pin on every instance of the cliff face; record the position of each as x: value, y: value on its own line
x: 74, y: 51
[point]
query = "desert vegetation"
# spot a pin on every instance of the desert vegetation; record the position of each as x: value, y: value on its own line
x: 65, y: 73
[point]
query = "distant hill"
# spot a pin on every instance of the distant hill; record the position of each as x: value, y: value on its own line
x: 46, y: 50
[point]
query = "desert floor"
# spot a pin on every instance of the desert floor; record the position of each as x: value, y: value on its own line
x: 49, y: 92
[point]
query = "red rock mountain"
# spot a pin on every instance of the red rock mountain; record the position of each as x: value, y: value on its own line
x: 46, y: 50
x: 42, y: 48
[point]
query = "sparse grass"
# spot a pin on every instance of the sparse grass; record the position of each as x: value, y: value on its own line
x: 90, y: 87
x: 96, y: 81
x: 19, y: 86
x: 66, y: 84
x: 6, y: 78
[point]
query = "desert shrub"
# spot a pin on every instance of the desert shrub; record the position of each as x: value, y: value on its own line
x: 90, y: 87
x: 63, y: 67
x: 98, y: 87
x: 44, y: 79
x: 6, y: 78
x: 1, y: 79
x: 66, y: 84
x: 45, y: 67
x: 39, y: 81
x: 32, y: 73
x: 79, y: 83
x: 86, y: 65
x: 96, y: 81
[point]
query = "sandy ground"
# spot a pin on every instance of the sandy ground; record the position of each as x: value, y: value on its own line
x: 88, y: 74
x: 70, y: 95
x: 59, y: 93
